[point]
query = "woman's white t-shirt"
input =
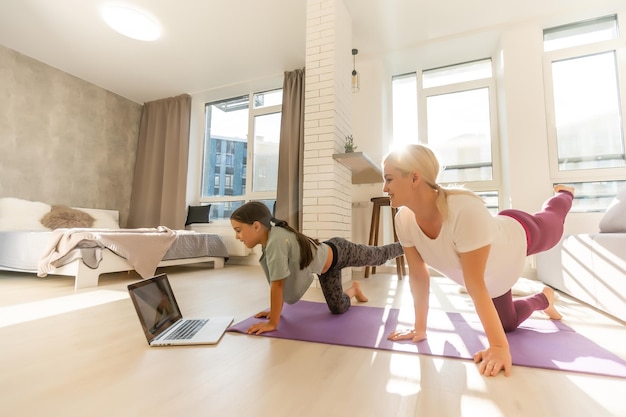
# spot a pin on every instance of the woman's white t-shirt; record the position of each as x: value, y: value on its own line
x: 469, y: 226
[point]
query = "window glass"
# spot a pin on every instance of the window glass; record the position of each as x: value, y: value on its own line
x: 266, y: 141
x: 226, y: 143
x: 491, y: 201
x: 594, y: 196
x: 404, y: 102
x: 223, y: 209
x: 454, y: 74
x: 459, y: 129
x: 580, y: 33
x: 587, y: 112
x: 268, y: 98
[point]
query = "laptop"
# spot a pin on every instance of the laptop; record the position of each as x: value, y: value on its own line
x: 162, y: 321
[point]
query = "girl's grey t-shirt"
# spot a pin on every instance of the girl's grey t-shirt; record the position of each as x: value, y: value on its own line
x: 281, y: 260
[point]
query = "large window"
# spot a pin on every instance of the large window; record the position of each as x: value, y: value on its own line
x: 582, y: 73
x: 240, y: 130
x: 453, y: 110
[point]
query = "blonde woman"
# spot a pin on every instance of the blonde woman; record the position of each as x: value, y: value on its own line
x: 451, y: 231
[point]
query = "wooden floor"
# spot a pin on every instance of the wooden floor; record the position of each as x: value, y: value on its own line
x: 85, y: 355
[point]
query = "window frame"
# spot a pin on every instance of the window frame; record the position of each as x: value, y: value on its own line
x: 615, y: 46
x: 490, y: 83
x: 253, y: 112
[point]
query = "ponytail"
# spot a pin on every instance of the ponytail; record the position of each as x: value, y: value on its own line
x: 255, y: 211
x: 306, y: 243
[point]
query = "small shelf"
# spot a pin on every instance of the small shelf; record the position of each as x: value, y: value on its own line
x: 364, y: 170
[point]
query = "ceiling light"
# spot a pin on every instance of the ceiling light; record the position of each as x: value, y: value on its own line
x: 131, y: 22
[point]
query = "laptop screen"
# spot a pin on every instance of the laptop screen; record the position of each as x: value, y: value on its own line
x: 155, y: 304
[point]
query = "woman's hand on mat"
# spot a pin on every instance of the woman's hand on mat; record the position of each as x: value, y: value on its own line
x: 407, y: 334
x: 493, y: 360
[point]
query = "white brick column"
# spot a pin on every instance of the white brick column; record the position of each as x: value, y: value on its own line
x: 327, y: 198
x: 327, y: 201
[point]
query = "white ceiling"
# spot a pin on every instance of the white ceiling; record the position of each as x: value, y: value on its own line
x: 212, y: 43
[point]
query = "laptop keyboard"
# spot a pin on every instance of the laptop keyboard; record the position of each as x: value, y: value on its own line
x: 187, y: 330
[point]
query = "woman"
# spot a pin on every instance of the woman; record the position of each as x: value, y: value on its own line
x: 290, y: 259
x: 451, y: 231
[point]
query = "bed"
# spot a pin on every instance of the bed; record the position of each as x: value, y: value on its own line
x: 32, y: 241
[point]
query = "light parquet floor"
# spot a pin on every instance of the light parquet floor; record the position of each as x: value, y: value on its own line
x: 76, y: 359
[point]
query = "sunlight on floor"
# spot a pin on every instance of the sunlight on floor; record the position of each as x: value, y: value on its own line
x: 21, y: 313
x: 404, y: 381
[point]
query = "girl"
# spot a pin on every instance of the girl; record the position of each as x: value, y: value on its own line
x: 452, y: 231
x: 290, y: 259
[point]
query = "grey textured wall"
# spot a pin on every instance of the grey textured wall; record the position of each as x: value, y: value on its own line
x: 62, y: 139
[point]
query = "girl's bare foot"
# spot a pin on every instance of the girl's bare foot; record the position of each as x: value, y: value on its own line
x: 551, y: 310
x: 561, y: 187
x: 356, y: 292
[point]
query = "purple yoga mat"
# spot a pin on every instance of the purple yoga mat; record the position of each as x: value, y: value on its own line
x: 536, y: 343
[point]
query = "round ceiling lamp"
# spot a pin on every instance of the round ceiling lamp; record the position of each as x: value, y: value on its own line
x: 131, y: 22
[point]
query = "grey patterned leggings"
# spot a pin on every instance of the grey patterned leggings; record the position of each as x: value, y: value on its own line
x: 347, y: 254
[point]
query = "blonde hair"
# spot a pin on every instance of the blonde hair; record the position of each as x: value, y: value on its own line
x: 419, y: 157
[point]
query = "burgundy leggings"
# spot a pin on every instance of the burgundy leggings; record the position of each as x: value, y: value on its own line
x: 543, y: 230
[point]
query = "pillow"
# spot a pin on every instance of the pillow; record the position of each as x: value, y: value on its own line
x: 103, y: 219
x: 66, y: 217
x: 198, y: 214
x: 18, y: 214
x: 614, y: 219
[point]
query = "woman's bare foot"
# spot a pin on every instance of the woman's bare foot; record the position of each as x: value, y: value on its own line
x: 551, y: 310
x: 356, y: 292
x: 561, y: 187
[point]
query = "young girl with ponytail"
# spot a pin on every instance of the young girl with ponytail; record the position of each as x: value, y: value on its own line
x: 289, y: 259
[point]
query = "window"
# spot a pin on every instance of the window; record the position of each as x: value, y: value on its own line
x: 236, y: 129
x: 580, y: 33
x: 404, y: 104
x: 453, y: 109
x: 459, y: 129
x: 582, y: 70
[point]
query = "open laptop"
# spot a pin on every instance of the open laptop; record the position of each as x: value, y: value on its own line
x: 162, y: 321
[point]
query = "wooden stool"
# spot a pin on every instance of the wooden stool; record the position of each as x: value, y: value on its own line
x: 379, y: 202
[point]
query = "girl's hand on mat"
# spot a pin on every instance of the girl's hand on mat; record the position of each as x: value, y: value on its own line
x: 493, y: 360
x: 263, y: 315
x: 262, y: 327
x: 407, y: 334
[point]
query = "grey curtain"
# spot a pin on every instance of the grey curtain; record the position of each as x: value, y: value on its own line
x: 160, y: 181
x: 291, y: 151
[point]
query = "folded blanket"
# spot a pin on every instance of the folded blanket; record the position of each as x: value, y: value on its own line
x: 142, y: 248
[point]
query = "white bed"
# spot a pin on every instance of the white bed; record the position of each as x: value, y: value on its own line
x: 24, y: 241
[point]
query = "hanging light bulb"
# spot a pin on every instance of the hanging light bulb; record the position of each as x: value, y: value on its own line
x: 355, y: 75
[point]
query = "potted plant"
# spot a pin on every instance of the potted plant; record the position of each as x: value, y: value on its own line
x: 349, y: 145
